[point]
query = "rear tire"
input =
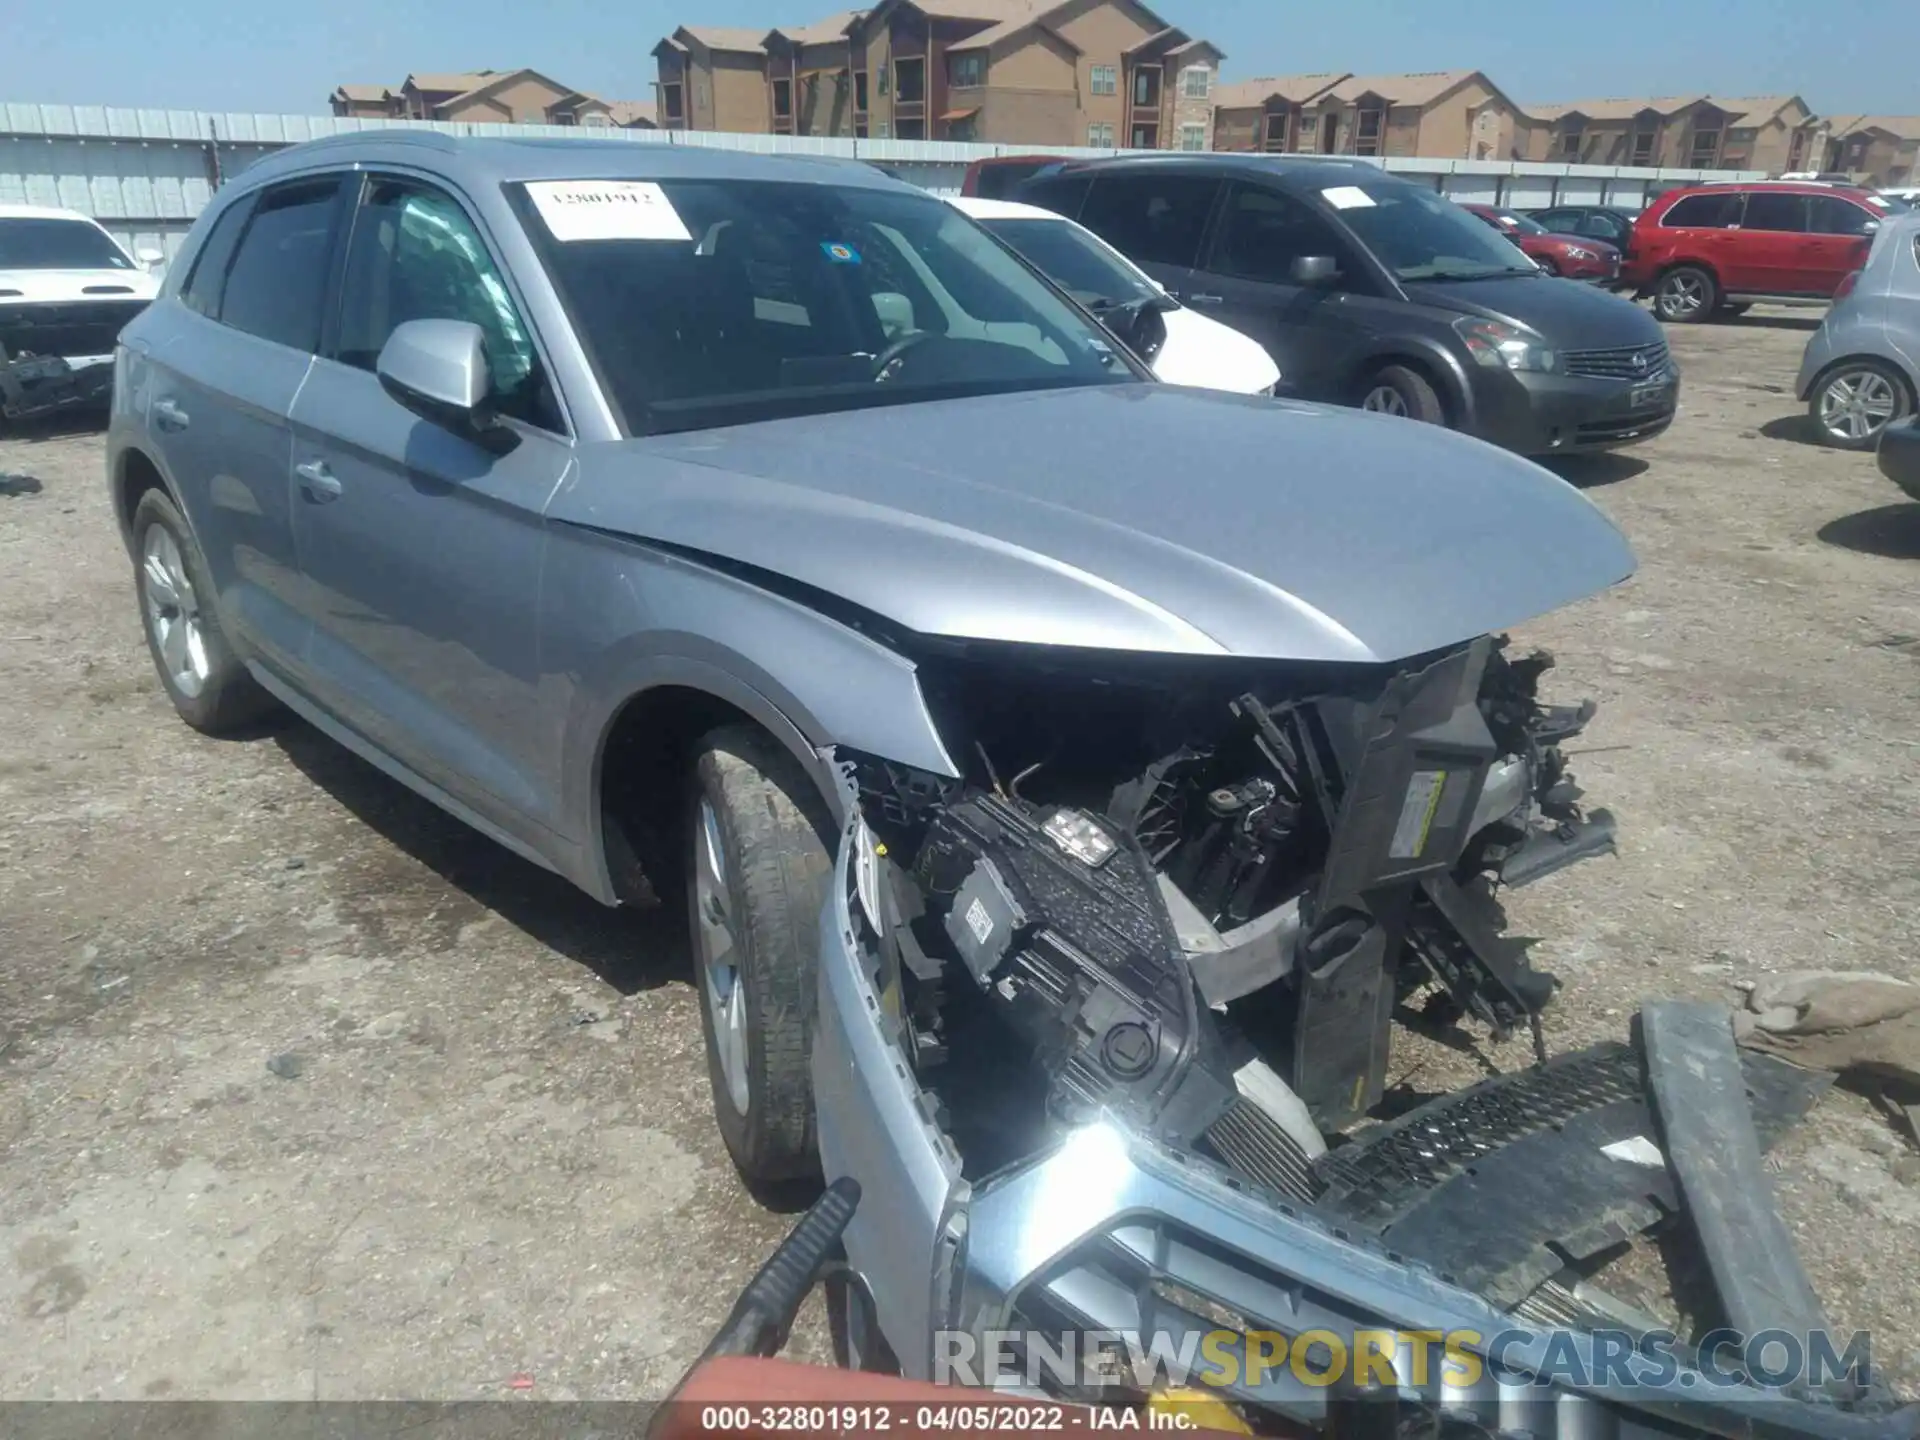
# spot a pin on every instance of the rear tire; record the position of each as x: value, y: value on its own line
x: 757, y: 879
x: 1686, y: 295
x: 1403, y: 391
x: 203, y: 677
x: 1855, y: 401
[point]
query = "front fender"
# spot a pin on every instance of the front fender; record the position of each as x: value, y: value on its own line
x: 1450, y: 374
x: 809, y: 680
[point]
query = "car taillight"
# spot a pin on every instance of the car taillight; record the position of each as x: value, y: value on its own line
x: 1851, y: 279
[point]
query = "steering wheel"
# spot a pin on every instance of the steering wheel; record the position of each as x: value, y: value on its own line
x: 887, y: 363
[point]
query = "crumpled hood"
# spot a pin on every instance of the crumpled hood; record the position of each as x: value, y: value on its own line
x: 1127, y: 517
x: 37, y: 285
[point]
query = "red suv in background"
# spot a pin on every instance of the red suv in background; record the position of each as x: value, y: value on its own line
x: 1577, y: 257
x: 1702, y: 250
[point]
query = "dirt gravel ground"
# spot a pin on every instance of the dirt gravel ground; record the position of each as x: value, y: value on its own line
x: 305, y: 1091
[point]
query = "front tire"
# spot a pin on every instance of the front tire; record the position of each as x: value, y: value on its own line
x: 1400, y: 390
x: 203, y: 677
x: 1686, y: 295
x: 1855, y: 401
x: 756, y: 884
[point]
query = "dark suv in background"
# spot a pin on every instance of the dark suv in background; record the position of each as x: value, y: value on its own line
x: 1704, y: 250
x: 1369, y: 290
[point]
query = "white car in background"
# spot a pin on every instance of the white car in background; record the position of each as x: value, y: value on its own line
x: 67, y: 286
x: 1183, y: 348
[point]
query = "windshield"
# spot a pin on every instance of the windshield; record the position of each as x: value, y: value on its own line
x: 1419, y: 236
x: 718, y: 302
x: 35, y: 243
x: 1075, y: 261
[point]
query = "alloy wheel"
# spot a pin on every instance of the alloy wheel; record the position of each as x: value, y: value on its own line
x: 1385, y: 400
x: 1857, y: 404
x: 173, y: 613
x: 726, y: 995
x: 1682, y: 295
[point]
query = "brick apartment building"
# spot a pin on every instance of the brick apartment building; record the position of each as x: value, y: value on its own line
x: 1028, y: 72
x: 1762, y: 132
x: 524, y: 97
x: 1441, y: 112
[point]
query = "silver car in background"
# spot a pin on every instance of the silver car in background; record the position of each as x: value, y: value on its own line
x: 1861, y: 369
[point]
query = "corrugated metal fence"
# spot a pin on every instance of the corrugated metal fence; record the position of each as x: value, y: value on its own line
x: 145, y: 174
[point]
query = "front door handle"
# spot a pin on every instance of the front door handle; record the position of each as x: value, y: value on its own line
x: 317, y: 482
x: 1200, y: 297
x: 168, y: 415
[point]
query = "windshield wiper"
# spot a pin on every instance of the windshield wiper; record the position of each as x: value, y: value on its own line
x: 1454, y: 276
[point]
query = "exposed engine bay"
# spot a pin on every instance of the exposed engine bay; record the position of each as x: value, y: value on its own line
x: 1196, y: 898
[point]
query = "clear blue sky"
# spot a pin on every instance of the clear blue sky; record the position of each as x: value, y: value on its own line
x: 285, y: 55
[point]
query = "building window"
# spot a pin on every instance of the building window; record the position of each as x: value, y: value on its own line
x: 1643, y: 141
x: 1146, y: 137
x: 670, y: 102
x: 594, y: 117
x: 1366, y: 132
x: 965, y: 128
x: 859, y: 89
x: 1705, y: 149
x: 1102, y: 81
x: 1100, y: 137
x: 1146, y: 87
x: 1797, y: 150
x: 1196, y: 82
x: 1570, y: 143
x: 860, y: 129
x: 910, y: 81
x: 1193, y: 137
x: 783, y: 99
x: 881, y: 130
x: 966, y: 70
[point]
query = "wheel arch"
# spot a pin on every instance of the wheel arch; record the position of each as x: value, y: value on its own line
x: 637, y: 745
x: 1431, y: 362
x: 1908, y: 381
x: 135, y: 472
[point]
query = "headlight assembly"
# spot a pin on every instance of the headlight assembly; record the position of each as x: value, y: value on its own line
x: 1498, y: 345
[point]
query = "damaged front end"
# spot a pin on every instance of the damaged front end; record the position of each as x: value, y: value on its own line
x: 1096, y: 1014
x: 1197, y: 906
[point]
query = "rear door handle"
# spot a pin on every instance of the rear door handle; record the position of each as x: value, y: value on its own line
x: 317, y: 482
x: 168, y: 415
x: 1200, y: 297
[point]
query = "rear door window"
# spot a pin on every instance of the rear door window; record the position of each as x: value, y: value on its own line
x: 1704, y: 212
x: 1773, y: 210
x: 1153, y: 219
x: 279, y: 272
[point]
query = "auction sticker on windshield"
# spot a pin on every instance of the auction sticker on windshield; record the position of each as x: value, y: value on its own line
x: 607, y: 210
x: 1346, y: 197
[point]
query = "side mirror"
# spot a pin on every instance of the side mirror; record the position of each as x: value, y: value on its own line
x: 151, y: 257
x: 1314, y: 270
x: 438, y: 370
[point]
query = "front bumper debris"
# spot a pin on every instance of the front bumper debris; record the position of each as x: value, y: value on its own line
x: 35, y: 385
x: 1459, y: 1218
